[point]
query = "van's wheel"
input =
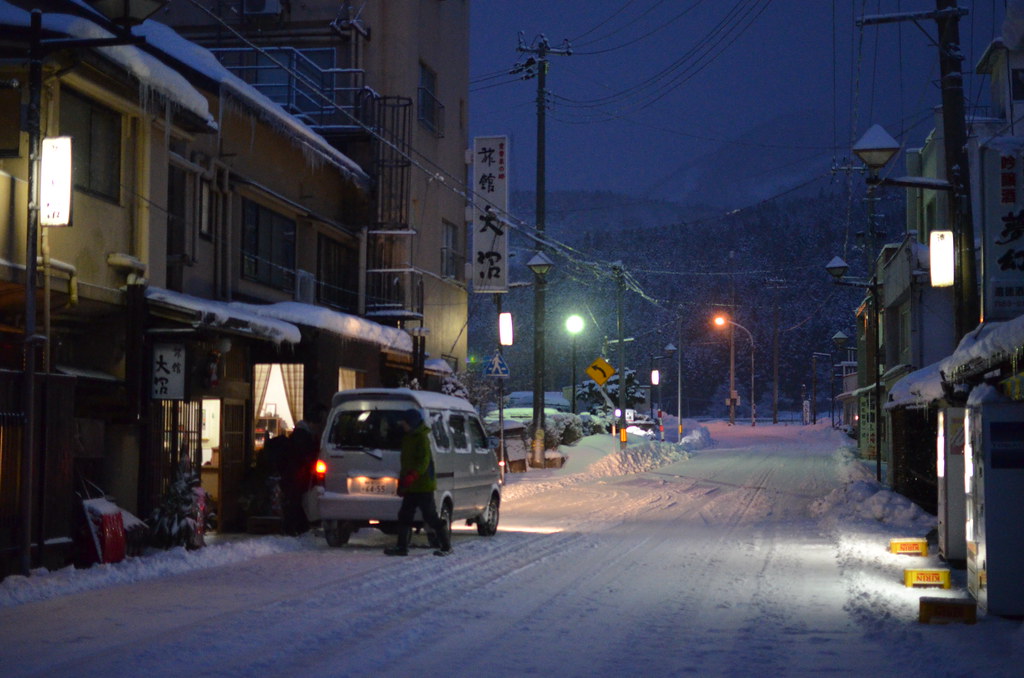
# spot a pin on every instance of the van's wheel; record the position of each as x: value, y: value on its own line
x: 445, y: 514
x: 337, y: 533
x: 487, y: 522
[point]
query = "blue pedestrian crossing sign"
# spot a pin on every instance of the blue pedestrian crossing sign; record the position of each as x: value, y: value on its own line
x: 496, y: 367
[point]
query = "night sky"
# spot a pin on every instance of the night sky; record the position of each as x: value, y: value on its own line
x: 725, y: 100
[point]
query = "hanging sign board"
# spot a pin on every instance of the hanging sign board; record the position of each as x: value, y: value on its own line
x: 490, y: 205
x: 1003, y: 193
x: 55, y: 182
x: 168, y: 372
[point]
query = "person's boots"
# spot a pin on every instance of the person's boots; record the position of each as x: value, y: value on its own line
x: 445, y: 542
x: 402, y: 547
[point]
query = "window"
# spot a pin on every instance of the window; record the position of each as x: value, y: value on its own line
x: 457, y: 424
x: 451, y: 254
x: 95, y: 146
x: 477, y: 436
x: 438, y: 431
x: 430, y: 110
x: 338, y: 272
x: 268, y: 246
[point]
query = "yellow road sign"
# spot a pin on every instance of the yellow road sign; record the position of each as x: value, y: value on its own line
x: 600, y: 371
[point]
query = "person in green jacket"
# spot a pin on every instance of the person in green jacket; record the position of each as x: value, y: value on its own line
x: 416, y: 485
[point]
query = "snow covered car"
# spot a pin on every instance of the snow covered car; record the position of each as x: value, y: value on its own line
x: 360, y: 454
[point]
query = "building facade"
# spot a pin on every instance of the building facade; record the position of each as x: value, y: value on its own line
x: 220, y: 244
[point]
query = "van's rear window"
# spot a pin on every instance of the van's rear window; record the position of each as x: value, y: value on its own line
x: 377, y: 429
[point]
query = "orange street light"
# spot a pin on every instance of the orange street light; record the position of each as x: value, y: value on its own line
x: 722, y: 321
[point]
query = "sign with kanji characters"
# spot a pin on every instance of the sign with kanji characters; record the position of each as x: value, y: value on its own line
x: 600, y: 371
x: 490, y: 205
x: 1003, y: 184
x: 167, y: 380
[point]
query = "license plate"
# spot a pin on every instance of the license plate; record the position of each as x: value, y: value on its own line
x: 363, y: 485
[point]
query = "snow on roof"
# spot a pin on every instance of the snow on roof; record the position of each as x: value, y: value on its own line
x: 427, y: 399
x: 202, y: 60
x: 218, y: 313
x: 991, y: 341
x: 342, y: 324
x: 919, y: 388
x: 164, y: 80
x: 149, y: 70
x: 438, y: 365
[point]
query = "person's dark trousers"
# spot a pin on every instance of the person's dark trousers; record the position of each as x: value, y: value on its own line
x: 424, y: 501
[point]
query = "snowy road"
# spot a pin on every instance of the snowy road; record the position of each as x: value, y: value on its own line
x: 726, y: 563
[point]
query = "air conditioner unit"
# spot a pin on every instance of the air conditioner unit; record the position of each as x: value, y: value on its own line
x: 305, y: 287
x: 261, y: 7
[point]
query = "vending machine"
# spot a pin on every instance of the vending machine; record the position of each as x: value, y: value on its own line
x: 952, y: 505
x: 994, y: 480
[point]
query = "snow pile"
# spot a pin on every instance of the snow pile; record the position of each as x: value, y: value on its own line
x: 598, y: 456
x: 44, y: 584
x: 867, y: 500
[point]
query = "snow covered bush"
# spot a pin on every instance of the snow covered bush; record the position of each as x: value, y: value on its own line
x: 564, y: 427
x: 180, y: 520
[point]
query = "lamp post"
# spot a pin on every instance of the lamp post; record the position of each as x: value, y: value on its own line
x: 722, y: 321
x: 679, y: 383
x: 814, y: 382
x: 839, y: 341
x: 123, y: 13
x: 669, y: 351
x: 540, y: 264
x: 837, y: 269
x: 875, y: 149
x: 573, y: 325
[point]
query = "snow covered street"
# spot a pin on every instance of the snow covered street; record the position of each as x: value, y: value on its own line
x: 759, y: 550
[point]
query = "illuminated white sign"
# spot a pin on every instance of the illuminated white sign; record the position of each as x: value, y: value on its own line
x: 55, y: 182
x: 941, y: 252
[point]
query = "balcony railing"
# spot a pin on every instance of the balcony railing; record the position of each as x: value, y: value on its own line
x: 331, y: 101
x: 395, y: 294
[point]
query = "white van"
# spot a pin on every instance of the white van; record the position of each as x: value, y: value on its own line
x: 360, y: 455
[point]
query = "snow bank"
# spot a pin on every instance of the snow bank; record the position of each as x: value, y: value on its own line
x: 44, y: 584
x: 598, y: 456
x: 863, y: 498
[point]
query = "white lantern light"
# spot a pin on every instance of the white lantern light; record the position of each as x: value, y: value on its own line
x: 942, y: 254
x: 505, y: 328
x: 655, y: 377
x: 55, y: 186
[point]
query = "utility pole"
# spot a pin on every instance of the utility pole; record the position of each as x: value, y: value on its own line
x: 947, y: 18
x: 539, y: 64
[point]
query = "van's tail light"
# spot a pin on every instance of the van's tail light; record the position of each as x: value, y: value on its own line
x: 319, y: 471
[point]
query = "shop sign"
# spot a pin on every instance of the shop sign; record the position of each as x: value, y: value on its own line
x: 168, y: 372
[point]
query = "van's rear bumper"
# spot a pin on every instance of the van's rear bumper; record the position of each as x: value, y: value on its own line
x: 338, y: 506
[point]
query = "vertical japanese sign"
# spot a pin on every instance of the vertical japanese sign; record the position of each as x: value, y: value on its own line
x: 1004, y: 230
x: 168, y: 372
x: 490, y: 205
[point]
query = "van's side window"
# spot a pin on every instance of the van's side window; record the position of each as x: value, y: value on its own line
x: 438, y: 431
x: 457, y: 422
x: 477, y: 436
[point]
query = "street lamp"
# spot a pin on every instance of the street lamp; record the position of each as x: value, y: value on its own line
x: 837, y: 269
x: 123, y: 13
x: 573, y: 325
x: 839, y: 340
x: 669, y: 351
x: 540, y: 264
x: 722, y: 321
x: 814, y: 382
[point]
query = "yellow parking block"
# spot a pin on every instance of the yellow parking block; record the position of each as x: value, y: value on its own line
x: 926, y: 577
x: 909, y: 547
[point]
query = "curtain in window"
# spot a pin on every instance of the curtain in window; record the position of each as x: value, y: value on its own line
x: 293, y: 378
x: 260, y: 380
